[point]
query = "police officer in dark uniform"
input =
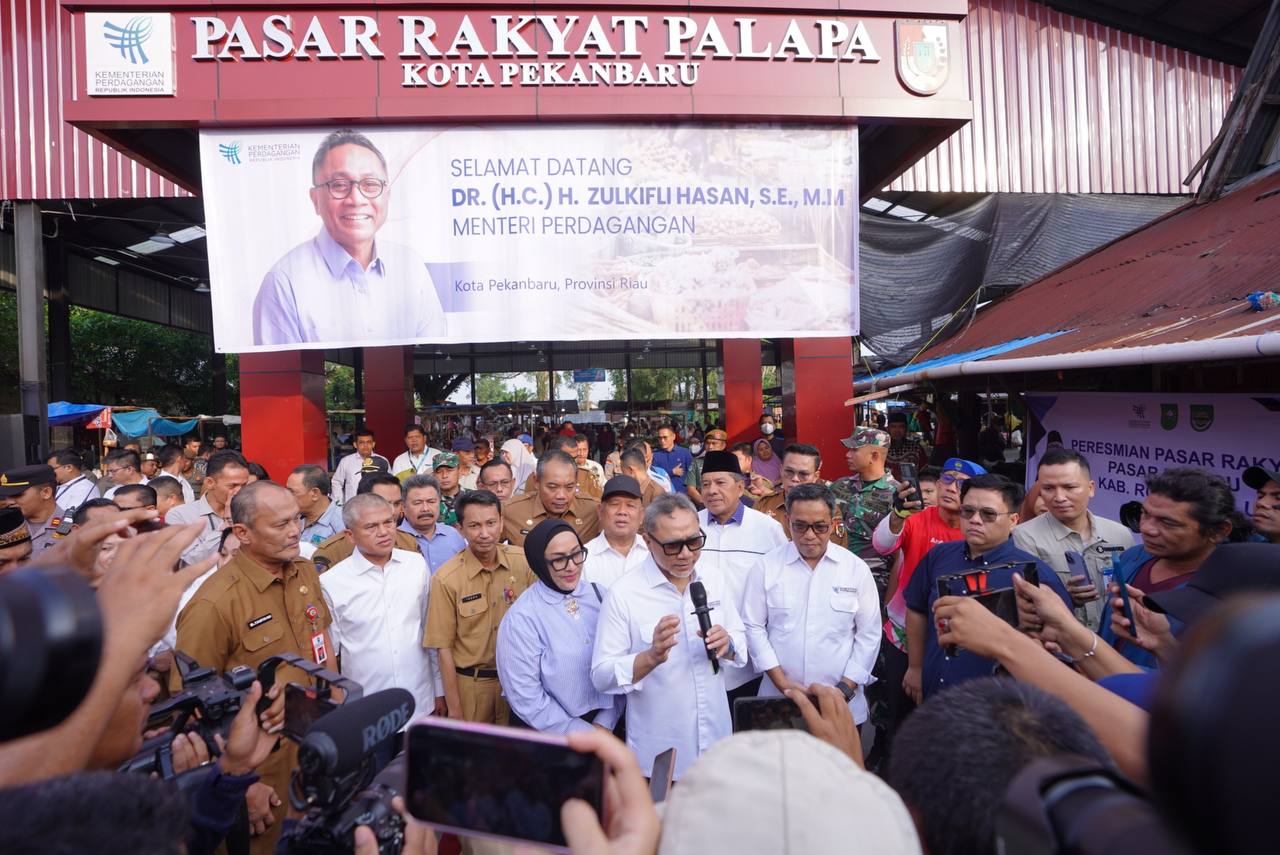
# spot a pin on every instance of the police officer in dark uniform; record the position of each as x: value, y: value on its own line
x: 31, y: 489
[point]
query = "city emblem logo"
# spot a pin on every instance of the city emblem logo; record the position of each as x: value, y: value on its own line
x: 1168, y: 416
x: 1201, y: 417
x: 230, y: 151
x: 924, y: 58
x: 130, y: 38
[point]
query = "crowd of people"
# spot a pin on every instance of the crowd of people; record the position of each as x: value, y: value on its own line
x: 942, y: 636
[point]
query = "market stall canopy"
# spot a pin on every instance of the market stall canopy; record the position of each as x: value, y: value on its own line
x: 143, y: 422
x: 63, y: 413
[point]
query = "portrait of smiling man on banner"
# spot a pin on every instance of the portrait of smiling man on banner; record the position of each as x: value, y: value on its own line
x: 345, y: 285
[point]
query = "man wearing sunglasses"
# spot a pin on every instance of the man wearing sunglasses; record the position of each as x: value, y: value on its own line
x: 988, y: 512
x: 343, y: 285
x: 650, y: 648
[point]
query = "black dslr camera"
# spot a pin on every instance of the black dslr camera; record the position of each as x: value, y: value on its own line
x: 210, y: 701
x: 1002, y: 602
x: 331, y: 831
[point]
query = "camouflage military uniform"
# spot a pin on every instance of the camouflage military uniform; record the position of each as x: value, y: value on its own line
x: 861, y: 507
x: 448, y: 508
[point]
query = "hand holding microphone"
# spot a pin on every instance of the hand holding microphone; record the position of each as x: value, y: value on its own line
x: 716, y: 638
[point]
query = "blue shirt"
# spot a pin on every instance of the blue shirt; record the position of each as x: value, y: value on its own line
x: 941, y: 670
x: 439, y: 549
x: 668, y: 460
x: 326, y: 525
x: 318, y: 293
x: 545, y: 643
x: 1128, y: 566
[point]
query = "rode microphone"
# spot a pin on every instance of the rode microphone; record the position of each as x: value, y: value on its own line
x: 698, y: 593
x: 339, y: 742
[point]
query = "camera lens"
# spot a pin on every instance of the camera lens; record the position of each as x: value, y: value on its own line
x: 50, y: 644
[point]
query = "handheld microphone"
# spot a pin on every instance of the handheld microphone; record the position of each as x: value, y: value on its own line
x: 339, y: 742
x: 698, y: 593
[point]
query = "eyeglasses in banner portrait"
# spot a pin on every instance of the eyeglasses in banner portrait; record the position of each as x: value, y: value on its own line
x: 381, y: 236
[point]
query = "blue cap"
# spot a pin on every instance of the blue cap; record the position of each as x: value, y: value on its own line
x: 526, y: 439
x: 464, y: 443
x: 965, y: 467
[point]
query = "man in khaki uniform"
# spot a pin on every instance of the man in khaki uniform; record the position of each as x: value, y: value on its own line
x: 265, y: 601
x: 800, y: 465
x: 338, y: 547
x: 586, y: 482
x: 469, y: 595
x: 554, y: 495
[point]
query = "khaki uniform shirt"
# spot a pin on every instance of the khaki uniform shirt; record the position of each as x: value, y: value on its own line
x: 522, y: 513
x: 336, y: 547
x: 243, y: 614
x: 775, y: 505
x: 586, y: 485
x: 467, y: 602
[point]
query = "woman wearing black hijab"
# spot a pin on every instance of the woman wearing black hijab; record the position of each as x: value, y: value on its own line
x: 546, y: 638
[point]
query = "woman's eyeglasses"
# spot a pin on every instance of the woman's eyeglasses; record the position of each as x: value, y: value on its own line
x: 578, y: 556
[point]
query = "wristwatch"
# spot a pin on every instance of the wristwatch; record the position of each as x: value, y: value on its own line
x: 847, y: 690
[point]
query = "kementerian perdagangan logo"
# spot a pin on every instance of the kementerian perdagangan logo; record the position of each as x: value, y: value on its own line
x: 230, y: 151
x: 130, y: 38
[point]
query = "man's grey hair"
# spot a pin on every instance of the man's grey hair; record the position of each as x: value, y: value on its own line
x: 357, y: 505
x: 666, y: 505
x: 418, y: 482
x: 811, y: 493
x: 345, y: 136
x: 244, y: 506
x: 555, y: 456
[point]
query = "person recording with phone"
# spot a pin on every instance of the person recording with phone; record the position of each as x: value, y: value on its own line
x: 546, y: 638
x: 988, y: 513
x: 651, y: 648
x: 811, y: 609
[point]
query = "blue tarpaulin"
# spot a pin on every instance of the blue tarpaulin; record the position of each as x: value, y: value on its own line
x: 140, y: 422
x: 967, y: 356
x: 63, y: 413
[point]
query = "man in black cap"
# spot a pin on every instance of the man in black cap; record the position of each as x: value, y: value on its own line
x: 30, y: 489
x: 617, y: 549
x: 15, y: 540
x: 1266, y: 508
x: 465, y: 448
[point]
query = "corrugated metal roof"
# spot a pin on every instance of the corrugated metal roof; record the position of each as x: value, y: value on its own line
x: 1066, y: 105
x: 1182, y: 278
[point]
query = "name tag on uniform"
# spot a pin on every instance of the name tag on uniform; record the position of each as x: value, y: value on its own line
x: 714, y: 604
x: 259, y: 621
x: 841, y: 589
x: 471, y: 597
x: 319, y: 649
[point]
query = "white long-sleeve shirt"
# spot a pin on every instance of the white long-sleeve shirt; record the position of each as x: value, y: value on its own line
x: 347, y: 475
x: 378, y: 615
x: 734, y: 549
x: 681, y: 703
x: 606, y: 565
x: 819, y: 624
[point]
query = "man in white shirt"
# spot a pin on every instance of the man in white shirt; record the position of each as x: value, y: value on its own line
x: 811, y: 608
x: 123, y: 466
x: 618, y: 549
x: 1069, y: 526
x: 174, y: 462
x: 74, y: 486
x: 378, y: 600
x: 353, y: 467
x: 737, y: 537
x: 649, y: 646
x: 416, y: 460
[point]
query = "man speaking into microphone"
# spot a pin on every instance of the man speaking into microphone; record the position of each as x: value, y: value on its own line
x: 651, y: 647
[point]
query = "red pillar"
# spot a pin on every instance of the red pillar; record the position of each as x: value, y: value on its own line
x: 388, y: 395
x: 817, y: 378
x: 282, y: 409
x: 743, y: 397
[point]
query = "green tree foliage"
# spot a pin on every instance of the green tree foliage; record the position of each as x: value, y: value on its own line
x: 339, y: 387
x: 497, y: 388
x: 662, y: 384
